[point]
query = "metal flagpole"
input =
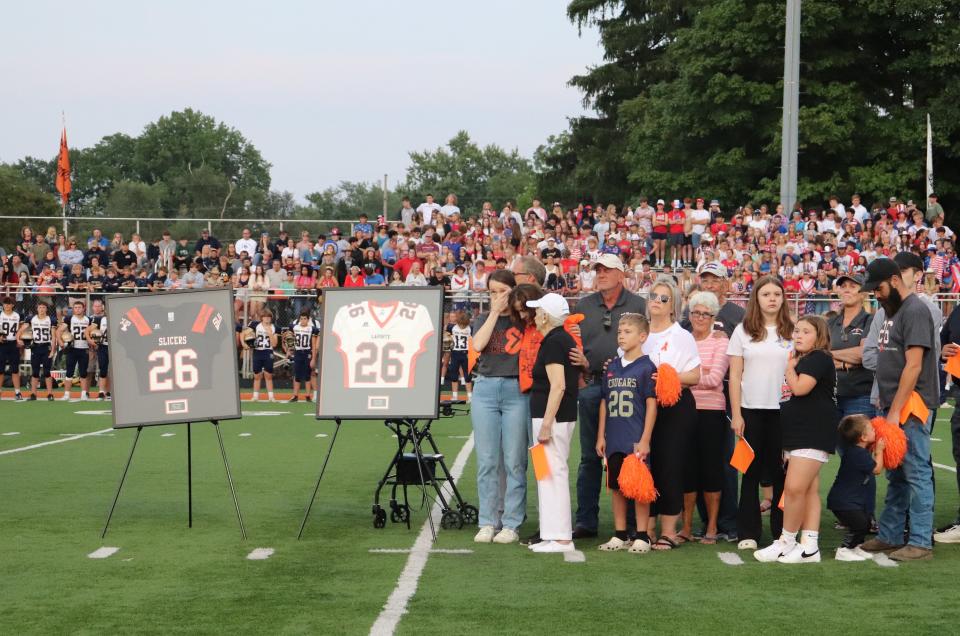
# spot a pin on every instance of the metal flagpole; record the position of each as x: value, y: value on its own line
x: 929, y: 158
x: 791, y: 104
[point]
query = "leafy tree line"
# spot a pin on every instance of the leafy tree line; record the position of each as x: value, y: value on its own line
x: 688, y: 100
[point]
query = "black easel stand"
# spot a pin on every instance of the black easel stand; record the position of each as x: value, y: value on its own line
x: 226, y: 466
x: 322, y: 470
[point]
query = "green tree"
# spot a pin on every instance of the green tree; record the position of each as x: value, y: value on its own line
x: 473, y: 173
x: 349, y: 199
x: 20, y: 196
x: 692, y: 92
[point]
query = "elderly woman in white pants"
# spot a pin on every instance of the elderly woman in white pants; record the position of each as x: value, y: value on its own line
x: 553, y: 409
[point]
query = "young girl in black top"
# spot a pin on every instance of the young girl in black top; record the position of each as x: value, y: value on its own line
x: 809, y: 421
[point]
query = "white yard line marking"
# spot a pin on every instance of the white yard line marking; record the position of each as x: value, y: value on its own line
x: 245, y: 434
x: 103, y: 553
x: 55, y: 441
x: 321, y: 435
x: 167, y: 434
x: 11, y: 433
x: 408, y: 551
x: 730, y: 558
x: 935, y: 439
x: 574, y: 557
x: 260, y: 554
x: 396, y: 605
x: 952, y: 469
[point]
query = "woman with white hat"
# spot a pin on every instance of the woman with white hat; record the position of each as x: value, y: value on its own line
x: 553, y: 410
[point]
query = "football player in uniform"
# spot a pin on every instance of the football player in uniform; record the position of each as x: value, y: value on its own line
x: 304, y: 353
x: 39, y: 331
x: 458, y: 367
x: 73, y: 333
x: 265, y: 340
x: 10, y: 345
x: 97, y: 336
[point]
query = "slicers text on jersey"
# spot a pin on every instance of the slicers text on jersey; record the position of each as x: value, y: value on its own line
x: 380, y: 343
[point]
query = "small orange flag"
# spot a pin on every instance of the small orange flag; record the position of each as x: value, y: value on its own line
x: 915, y: 407
x: 742, y: 455
x: 541, y: 467
x: 953, y: 366
x: 472, y: 355
x: 780, y: 503
x: 63, y: 169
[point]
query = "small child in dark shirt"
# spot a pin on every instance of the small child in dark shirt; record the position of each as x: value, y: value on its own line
x: 848, y: 498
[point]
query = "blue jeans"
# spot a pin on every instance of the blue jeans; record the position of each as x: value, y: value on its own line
x: 859, y: 405
x: 501, y: 423
x: 910, y: 488
x: 590, y: 470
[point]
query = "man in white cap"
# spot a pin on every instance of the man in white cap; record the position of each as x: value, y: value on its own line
x: 601, y: 311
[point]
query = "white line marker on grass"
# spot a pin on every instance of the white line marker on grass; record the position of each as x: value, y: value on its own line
x: 396, y: 605
x: 730, y: 558
x: 245, y: 434
x: 935, y: 439
x: 574, y: 557
x: 55, y: 441
x: 260, y: 554
x: 11, y: 433
x: 167, y: 434
x: 408, y: 551
x: 952, y: 469
x: 321, y: 435
x: 103, y: 553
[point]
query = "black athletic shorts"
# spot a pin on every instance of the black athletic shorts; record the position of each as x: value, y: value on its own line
x: 77, y: 360
x: 103, y: 360
x: 301, y: 366
x: 40, y: 361
x: 9, y: 357
x: 614, y: 464
x: 263, y: 360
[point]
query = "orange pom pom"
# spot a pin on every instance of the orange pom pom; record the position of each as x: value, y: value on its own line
x: 895, y: 442
x: 668, y: 385
x: 574, y: 319
x: 635, y: 480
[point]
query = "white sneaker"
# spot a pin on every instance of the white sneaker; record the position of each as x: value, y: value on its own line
x: 850, y: 554
x: 552, y: 546
x: 799, y: 554
x: 868, y: 556
x: 772, y: 552
x: 65, y: 398
x: 506, y: 536
x: 950, y: 535
x: 747, y: 544
x: 485, y: 535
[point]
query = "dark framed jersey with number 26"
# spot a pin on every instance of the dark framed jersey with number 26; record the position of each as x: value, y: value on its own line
x: 172, y: 358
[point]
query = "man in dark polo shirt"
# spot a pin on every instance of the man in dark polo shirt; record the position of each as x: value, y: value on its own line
x: 601, y: 311
x: 713, y: 278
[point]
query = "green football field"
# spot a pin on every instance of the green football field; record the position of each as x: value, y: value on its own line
x: 166, y: 578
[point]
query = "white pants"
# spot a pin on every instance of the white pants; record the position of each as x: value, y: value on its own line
x: 553, y: 493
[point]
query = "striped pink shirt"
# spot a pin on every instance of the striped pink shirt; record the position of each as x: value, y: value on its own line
x: 713, y: 367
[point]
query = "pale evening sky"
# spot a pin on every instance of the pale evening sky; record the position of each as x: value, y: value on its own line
x: 327, y: 91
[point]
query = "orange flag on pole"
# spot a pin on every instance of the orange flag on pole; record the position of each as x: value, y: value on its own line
x: 63, y: 169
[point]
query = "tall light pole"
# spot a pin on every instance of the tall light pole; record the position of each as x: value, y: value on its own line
x: 791, y: 104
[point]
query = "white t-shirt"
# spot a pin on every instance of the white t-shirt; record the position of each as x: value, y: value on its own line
x: 700, y: 220
x: 674, y: 346
x: 764, y: 364
x: 449, y: 210
x: 426, y: 210
x: 246, y: 245
x: 588, y: 279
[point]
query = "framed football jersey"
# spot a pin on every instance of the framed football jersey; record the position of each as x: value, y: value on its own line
x: 380, y: 353
x: 173, y: 358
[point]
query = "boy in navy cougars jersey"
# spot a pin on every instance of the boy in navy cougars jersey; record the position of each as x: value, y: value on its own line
x: 628, y: 410
x: 39, y: 330
x: 264, y: 343
x: 10, y: 345
x: 304, y: 352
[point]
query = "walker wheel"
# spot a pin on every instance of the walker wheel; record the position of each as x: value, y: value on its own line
x: 400, y: 513
x: 451, y: 520
x: 470, y: 514
x: 379, y: 517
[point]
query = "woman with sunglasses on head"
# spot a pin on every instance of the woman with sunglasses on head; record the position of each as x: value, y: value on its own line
x: 670, y: 344
x: 759, y: 350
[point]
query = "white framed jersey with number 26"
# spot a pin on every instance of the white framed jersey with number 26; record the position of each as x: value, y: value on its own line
x: 381, y: 342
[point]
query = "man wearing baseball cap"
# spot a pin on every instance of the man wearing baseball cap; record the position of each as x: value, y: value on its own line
x: 601, y: 311
x: 715, y: 279
x: 906, y: 363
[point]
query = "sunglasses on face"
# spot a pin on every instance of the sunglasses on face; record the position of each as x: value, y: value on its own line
x: 662, y: 298
x: 700, y: 314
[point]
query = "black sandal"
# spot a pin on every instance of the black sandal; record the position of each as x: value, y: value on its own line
x: 665, y: 544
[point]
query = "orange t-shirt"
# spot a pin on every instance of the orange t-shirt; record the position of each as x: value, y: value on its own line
x: 530, y: 346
